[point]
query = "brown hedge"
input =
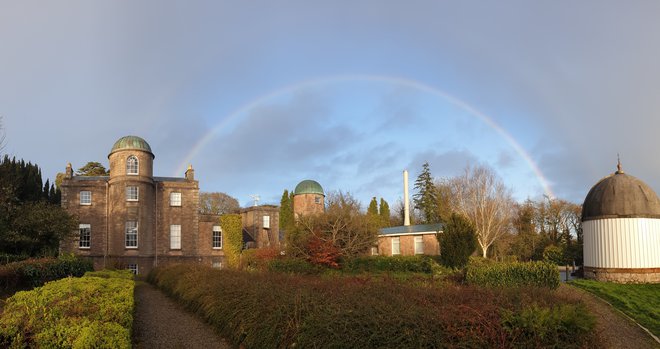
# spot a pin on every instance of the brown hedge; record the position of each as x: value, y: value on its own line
x: 275, y: 310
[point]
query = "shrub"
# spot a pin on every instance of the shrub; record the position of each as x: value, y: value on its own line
x: 457, y: 242
x: 275, y: 310
x: 232, y: 233
x: 293, y: 266
x: 554, y: 254
x: 541, y: 274
x: 374, y: 264
x: 36, y: 272
x: 86, y: 312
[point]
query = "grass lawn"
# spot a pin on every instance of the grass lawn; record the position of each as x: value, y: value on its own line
x: 639, y: 301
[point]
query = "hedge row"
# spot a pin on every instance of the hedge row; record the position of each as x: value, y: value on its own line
x: 513, y: 274
x: 276, y: 310
x: 371, y: 264
x: 36, y: 272
x: 86, y: 312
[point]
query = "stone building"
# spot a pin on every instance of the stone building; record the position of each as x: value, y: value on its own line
x: 308, y: 198
x: 621, y: 230
x: 261, y: 226
x: 132, y: 219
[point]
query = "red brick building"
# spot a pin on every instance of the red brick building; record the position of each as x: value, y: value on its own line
x: 132, y: 219
x: 409, y: 240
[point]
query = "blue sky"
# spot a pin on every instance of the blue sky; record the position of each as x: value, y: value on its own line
x: 345, y: 92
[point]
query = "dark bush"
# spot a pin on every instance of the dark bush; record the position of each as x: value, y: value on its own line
x: 514, y: 274
x: 36, y: 272
x: 375, y: 264
x: 457, y: 241
x: 276, y: 310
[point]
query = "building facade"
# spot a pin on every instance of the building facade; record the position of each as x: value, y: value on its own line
x: 408, y: 240
x: 308, y: 198
x: 132, y: 219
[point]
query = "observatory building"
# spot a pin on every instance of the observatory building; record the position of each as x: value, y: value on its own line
x: 621, y: 227
x: 308, y: 198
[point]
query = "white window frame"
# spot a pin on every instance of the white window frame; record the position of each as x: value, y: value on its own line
x: 85, y: 198
x: 374, y: 250
x: 266, y: 222
x: 217, y: 265
x: 396, y: 241
x: 129, y: 193
x: 131, y: 230
x: 175, y: 199
x: 175, y: 237
x: 217, y: 237
x: 85, y: 237
x: 419, y: 249
x: 131, y: 169
x: 133, y: 267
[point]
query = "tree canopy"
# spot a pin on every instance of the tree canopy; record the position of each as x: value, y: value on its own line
x: 286, y: 211
x: 92, y: 168
x: 217, y: 203
x: 457, y: 241
x: 426, y: 197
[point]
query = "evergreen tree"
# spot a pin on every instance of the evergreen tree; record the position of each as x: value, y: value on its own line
x: 373, y: 207
x: 425, y: 199
x: 92, y: 168
x: 286, y: 211
x: 457, y: 241
x: 384, y: 213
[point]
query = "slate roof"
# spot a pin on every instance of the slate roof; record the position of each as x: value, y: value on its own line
x: 411, y: 229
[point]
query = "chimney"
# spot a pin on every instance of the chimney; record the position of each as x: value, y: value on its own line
x: 68, y: 174
x: 406, y: 202
x: 190, y: 173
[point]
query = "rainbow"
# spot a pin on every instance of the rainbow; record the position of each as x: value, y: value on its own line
x: 242, y: 110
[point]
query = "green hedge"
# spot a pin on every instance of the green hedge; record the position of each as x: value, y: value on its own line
x: 277, y: 310
x: 293, y: 266
x: 36, y: 272
x: 513, y: 274
x: 86, y: 312
x: 412, y: 264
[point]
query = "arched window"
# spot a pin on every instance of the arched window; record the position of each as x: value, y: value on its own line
x: 132, y: 165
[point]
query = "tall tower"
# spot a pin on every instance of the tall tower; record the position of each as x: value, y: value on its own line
x: 131, y: 198
x: 308, y: 198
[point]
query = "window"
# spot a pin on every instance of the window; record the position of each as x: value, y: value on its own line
x: 132, y: 165
x: 175, y: 237
x: 131, y: 193
x: 374, y: 250
x: 396, y: 245
x: 419, y: 245
x: 266, y: 222
x: 133, y: 268
x: 175, y: 199
x: 131, y: 234
x: 217, y: 237
x: 85, y: 235
x: 317, y: 200
x: 216, y: 264
x: 85, y: 197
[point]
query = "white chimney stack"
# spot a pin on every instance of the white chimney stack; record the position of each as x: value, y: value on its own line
x: 406, y: 202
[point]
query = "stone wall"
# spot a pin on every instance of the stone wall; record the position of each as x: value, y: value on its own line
x: 623, y: 276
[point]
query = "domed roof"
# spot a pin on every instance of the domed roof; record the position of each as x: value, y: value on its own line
x: 308, y: 186
x: 131, y: 142
x: 620, y: 196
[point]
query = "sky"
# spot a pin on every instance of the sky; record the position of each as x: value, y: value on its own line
x: 260, y: 95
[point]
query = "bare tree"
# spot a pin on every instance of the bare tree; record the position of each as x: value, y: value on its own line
x: 217, y: 203
x: 482, y: 197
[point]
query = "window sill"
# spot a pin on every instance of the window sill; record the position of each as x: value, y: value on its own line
x: 217, y: 248
x: 86, y: 204
x: 130, y: 200
x: 83, y: 248
x: 131, y: 247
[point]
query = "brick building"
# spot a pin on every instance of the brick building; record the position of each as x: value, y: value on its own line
x: 409, y: 240
x: 131, y: 219
x: 308, y: 198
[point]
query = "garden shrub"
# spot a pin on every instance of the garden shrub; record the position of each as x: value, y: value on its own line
x: 457, y: 241
x: 372, y: 264
x: 232, y: 234
x: 36, y: 272
x: 277, y: 310
x: 541, y: 274
x: 86, y: 312
x: 293, y: 266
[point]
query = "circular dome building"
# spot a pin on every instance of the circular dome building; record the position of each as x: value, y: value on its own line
x: 621, y: 229
x: 308, y: 198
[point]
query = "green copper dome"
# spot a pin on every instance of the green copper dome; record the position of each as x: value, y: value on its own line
x: 131, y: 142
x: 309, y: 186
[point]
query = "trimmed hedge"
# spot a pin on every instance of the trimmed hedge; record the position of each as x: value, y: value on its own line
x: 86, y: 312
x: 293, y: 266
x: 513, y: 274
x: 371, y: 264
x: 36, y: 272
x: 277, y: 310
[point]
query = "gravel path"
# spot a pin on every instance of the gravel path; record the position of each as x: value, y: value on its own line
x: 615, y: 329
x: 161, y: 323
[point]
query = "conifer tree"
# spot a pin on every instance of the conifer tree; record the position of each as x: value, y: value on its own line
x: 373, y: 207
x: 384, y: 213
x: 425, y: 198
x: 286, y: 211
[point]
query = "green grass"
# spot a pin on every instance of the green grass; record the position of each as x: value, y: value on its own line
x: 639, y: 301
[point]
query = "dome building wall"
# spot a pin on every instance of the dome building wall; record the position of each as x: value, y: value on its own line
x: 308, y: 198
x: 621, y: 230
